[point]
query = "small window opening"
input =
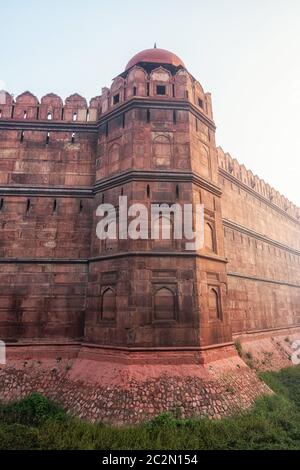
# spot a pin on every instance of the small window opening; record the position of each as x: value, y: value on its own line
x: 87, y: 114
x: 25, y: 115
x: 186, y: 94
x: 148, y: 88
x: 1, y: 203
x: 106, y: 129
x: 73, y: 138
x: 37, y: 112
x: 47, y: 138
x: 122, y: 191
x: 103, y: 198
x: 116, y: 98
x: 173, y: 90
x: 160, y: 90
x: 134, y: 91
x: 28, y: 205
x: 80, y: 206
x: 75, y: 116
x: 200, y: 102
x: 22, y: 136
x: 177, y: 191
x: 54, y: 205
x: 62, y: 113
x: 49, y: 116
x: 148, y: 191
x: 148, y: 115
x: 174, y: 116
x: 123, y: 120
x: 12, y: 111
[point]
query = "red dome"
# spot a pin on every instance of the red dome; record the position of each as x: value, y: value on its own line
x: 161, y: 56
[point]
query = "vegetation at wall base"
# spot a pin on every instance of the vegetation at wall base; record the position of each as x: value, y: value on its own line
x: 273, y: 423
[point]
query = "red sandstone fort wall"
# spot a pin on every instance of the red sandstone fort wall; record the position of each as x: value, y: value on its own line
x: 262, y: 241
x: 46, y: 210
x: 121, y: 330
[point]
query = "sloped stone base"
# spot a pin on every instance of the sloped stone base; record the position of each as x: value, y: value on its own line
x: 270, y: 350
x: 129, y: 387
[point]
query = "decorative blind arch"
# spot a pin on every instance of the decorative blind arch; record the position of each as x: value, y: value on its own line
x: 164, y: 304
x: 108, y: 305
x: 162, y: 152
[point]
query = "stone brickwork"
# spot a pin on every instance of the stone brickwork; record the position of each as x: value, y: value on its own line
x: 133, y: 393
x: 150, y: 137
x: 262, y: 243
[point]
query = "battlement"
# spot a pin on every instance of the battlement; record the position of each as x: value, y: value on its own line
x: 51, y: 107
x: 138, y: 82
x: 239, y: 171
x: 156, y: 82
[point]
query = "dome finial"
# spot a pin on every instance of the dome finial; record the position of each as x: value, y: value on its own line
x: 155, y: 46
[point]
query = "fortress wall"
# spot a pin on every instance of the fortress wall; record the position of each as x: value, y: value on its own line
x: 262, y: 241
x: 45, y: 227
x: 50, y: 108
x: 42, y: 158
x: 42, y: 300
x: 45, y: 219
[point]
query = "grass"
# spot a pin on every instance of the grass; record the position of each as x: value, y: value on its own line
x: 272, y: 423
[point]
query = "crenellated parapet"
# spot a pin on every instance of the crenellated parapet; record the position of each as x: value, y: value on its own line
x: 156, y: 83
x: 239, y: 171
x: 50, y: 108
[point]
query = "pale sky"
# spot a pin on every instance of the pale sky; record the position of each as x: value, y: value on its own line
x: 245, y: 52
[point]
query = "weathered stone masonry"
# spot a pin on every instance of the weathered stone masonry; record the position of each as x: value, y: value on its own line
x: 151, y: 137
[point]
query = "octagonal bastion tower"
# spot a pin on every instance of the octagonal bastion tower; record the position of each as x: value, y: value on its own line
x: 135, y: 327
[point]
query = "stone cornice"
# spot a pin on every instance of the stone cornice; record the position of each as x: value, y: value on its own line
x: 36, y: 125
x: 263, y: 279
x: 43, y: 261
x: 133, y: 103
x: 150, y: 103
x: 258, y: 236
x: 46, y: 191
x: 113, y: 181
x: 185, y: 254
x: 254, y: 193
x: 157, y: 175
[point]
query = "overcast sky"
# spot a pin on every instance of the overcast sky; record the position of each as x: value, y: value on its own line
x: 245, y: 52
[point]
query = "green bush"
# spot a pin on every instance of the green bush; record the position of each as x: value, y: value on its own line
x: 32, y: 410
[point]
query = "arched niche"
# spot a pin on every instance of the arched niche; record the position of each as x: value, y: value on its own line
x: 160, y: 82
x: 183, y: 85
x: 108, y: 305
x: 114, y: 154
x: 214, y: 303
x: 199, y: 96
x: 164, y: 304
x: 209, y: 237
x: 205, y: 162
x: 136, y: 82
x: 163, y: 230
x: 161, y: 151
x: 117, y: 91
